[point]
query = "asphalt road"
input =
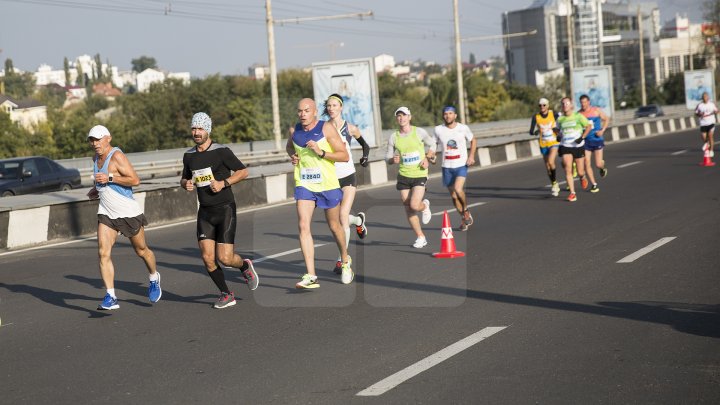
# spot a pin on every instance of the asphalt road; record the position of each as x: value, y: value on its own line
x: 539, y: 311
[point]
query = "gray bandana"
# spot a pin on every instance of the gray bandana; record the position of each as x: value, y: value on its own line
x: 201, y: 120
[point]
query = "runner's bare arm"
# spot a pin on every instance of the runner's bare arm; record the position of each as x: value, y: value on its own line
x: 123, y: 172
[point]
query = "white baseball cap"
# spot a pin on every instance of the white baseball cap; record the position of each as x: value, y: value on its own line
x: 403, y: 110
x: 98, y: 132
x: 543, y: 101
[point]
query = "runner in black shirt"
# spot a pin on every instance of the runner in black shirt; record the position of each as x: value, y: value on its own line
x: 211, y: 169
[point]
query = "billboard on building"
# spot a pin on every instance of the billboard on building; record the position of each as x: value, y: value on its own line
x: 698, y: 82
x: 596, y: 82
x: 356, y: 82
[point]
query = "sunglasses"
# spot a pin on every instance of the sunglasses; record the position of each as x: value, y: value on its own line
x: 542, y: 105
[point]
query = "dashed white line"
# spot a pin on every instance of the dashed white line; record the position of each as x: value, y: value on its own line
x: 452, y: 208
x: 680, y: 152
x: 629, y: 164
x: 285, y: 253
x: 428, y: 362
x: 647, y: 249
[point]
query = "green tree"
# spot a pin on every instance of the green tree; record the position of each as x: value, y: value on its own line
x: 247, y: 122
x: 9, y: 68
x: 473, y: 60
x: 98, y: 68
x: 674, y: 89
x: 484, y: 96
x: 12, y: 137
x: 19, y: 85
x: 81, y: 78
x: 142, y: 63
x: 440, y: 93
x: 66, y: 69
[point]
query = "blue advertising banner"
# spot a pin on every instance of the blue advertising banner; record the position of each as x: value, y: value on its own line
x: 698, y: 82
x: 596, y: 82
x: 356, y: 82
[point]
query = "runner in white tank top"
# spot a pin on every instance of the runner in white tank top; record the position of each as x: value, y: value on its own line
x: 118, y: 212
x: 346, y: 170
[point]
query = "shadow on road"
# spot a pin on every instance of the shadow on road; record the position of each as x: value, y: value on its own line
x: 58, y: 298
x: 695, y: 319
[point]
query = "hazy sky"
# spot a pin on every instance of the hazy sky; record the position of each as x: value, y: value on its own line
x: 227, y: 36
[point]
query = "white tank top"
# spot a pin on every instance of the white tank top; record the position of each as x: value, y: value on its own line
x: 116, y: 201
x: 344, y: 169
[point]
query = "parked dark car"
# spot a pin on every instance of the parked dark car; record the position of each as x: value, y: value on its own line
x: 35, y: 174
x: 650, y: 110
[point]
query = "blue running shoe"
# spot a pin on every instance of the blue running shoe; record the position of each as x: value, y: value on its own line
x: 154, y: 290
x: 109, y: 303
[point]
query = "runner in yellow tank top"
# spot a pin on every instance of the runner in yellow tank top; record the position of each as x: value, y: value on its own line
x: 314, y: 146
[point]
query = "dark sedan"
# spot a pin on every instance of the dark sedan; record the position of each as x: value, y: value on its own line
x: 650, y: 110
x: 34, y: 174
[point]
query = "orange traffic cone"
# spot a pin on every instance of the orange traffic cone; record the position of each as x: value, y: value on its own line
x: 707, y: 160
x: 447, y: 242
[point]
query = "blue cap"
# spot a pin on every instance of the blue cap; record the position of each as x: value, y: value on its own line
x: 449, y: 108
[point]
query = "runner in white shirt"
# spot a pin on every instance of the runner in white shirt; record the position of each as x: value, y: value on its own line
x: 346, y: 171
x: 453, y: 138
x: 706, y: 111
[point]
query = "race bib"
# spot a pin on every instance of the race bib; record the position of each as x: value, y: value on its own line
x: 202, y: 177
x: 411, y: 158
x: 548, y: 135
x: 311, y: 175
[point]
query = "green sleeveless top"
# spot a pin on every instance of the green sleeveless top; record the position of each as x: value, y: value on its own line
x: 412, y: 152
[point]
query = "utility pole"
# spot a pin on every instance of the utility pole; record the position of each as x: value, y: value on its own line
x: 458, y: 64
x: 570, y: 48
x: 270, y: 22
x: 643, y: 94
x: 273, y: 74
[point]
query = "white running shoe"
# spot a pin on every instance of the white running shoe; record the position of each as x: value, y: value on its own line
x: 347, y: 273
x: 420, y: 242
x: 307, y: 281
x: 555, y: 190
x: 426, y: 214
x: 712, y: 153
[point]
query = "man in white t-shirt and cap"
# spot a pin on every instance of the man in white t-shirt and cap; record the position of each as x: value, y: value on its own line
x: 453, y: 138
x: 118, y: 212
x: 706, y: 112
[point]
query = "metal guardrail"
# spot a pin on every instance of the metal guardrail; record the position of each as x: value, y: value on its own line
x: 155, y: 164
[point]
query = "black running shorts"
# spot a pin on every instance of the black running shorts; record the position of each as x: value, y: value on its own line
x: 577, y: 153
x: 350, y: 180
x: 407, y: 183
x: 217, y: 223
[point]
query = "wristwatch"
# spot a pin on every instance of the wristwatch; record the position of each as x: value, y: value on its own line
x: 227, y: 184
x: 110, y: 177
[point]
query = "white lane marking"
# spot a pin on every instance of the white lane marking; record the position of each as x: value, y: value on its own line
x: 647, y: 249
x: 285, y: 253
x: 428, y: 362
x: 452, y: 208
x: 680, y: 152
x: 637, y: 162
x: 560, y: 183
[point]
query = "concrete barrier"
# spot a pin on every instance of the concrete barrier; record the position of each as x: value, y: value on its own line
x: 60, y: 216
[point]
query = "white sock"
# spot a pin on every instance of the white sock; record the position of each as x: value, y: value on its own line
x: 354, y: 220
x: 154, y: 276
x: 347, y: 237
x: 111, y: 291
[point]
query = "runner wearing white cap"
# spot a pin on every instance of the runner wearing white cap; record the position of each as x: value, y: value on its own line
x: 118, y: 212
x: 546, y: 123
x: 406, y: 147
